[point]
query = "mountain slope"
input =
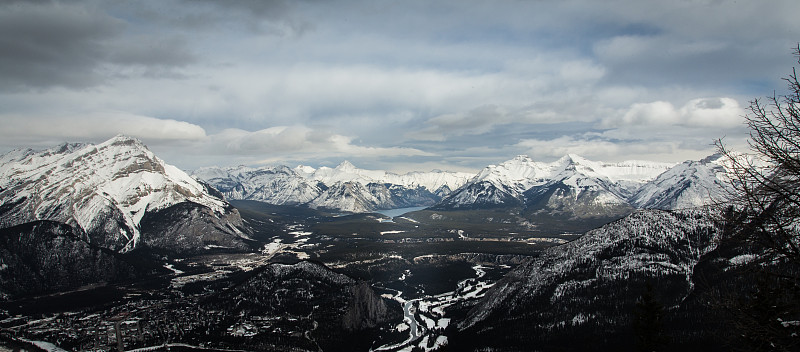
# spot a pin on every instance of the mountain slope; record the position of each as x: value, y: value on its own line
x: 588, y: 288
x: 45, y: 256
x: 335, y: 312
x: 689, y: 184
x: 346, y: 196
x: 106, y: 190
x: 277, y: 185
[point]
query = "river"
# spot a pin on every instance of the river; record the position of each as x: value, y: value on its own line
x: 425, y: 316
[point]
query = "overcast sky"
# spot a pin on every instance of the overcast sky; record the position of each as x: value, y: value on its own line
x: 396, y: 85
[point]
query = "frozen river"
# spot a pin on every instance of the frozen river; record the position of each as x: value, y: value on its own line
x: 425, y: 319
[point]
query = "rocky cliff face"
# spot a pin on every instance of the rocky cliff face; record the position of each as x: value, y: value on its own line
x: 330, y: 310
x: 366, y: 309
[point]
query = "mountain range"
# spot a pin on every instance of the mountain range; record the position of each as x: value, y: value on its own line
x: 343, y: 188
x: 118, y: 193
x: 572, y: 186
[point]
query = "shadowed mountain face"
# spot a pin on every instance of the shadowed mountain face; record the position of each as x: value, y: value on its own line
x: 331, y: 309
x: 45, y: 256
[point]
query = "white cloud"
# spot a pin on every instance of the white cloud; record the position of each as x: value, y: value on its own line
x: 703, y: 112
x: 95, y: 126
x: 717, y: 112
x: 297, y: 142
x: 597, y: 148
x: 558, y: 147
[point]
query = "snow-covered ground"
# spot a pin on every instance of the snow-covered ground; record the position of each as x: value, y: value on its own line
x: 424, y: 318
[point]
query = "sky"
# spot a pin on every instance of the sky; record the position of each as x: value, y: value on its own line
x: 394, y: 85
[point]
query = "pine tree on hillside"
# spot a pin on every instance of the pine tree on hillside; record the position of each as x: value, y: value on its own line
x: 648, y: 322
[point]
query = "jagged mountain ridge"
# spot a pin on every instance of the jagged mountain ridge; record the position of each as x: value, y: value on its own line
x: 279, y: 185
x: 577, y: 187
x: 572, y: 186
x: 343, y: 188
x: 106, y: 190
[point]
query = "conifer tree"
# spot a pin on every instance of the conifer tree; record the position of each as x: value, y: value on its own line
x: 648, y: 322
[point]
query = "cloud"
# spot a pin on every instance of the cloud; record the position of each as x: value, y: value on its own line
x: 449, y: 82
x: 597, y: 148
x: 558, y: 147
x: 277, y: 17
x: 95, y: 127
x: 476, y: 121
x: 703, y: 112
x: 52, y: 45
x: 299, y: 142
x: 75, y: 45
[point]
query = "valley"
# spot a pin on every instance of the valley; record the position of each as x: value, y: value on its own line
x: 417, y: 268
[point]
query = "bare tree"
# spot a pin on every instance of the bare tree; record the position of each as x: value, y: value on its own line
x: 764, y: 222
x: 767, y: 182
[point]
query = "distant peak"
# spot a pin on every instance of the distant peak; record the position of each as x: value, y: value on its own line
x: 346, y: 165
x: 521, y: 159
x: 712, y: 158
x: 305, y: 168
x: 65, y: 148
x: 122, y: 139
x: 572, y: 158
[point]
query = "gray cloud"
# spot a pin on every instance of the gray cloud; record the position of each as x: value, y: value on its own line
x: 52, y: 45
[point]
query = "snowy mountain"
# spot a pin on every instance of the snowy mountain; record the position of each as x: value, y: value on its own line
x: 571, y: 184
x: 689, y: 184
x: 278, y: 185
x: 346, y: 196
x: 343, y: 188
x: 119, y: 193
x: 347, y: 172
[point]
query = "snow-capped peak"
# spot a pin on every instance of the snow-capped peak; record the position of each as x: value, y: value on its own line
x: 611, y: 182
x: 688, y: 184
x: 82, y: 184
x: 304, y: 170
x: 521, y: 172
x: 346, y: 166
x: 122, y: 139
x: 573, y: 159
